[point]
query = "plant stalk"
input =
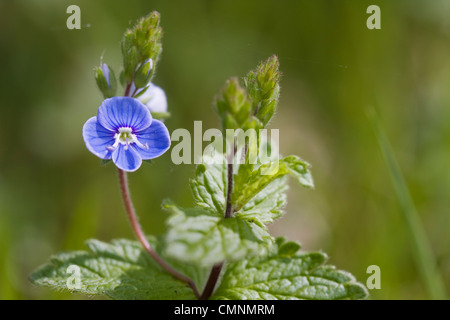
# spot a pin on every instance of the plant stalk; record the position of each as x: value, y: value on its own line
x: 132, y: 216
x: 217, y: 268
x: 212, y: 281
x: 141, y: 236
x: 228, y: 210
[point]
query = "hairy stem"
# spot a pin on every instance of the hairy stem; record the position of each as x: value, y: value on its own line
x: 212, y: 281
x: 217, y: 268
x: 127, y: 90
x: 141, y: 236
x: 228, y: 211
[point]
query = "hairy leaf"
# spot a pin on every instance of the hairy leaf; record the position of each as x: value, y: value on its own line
x: 205, y: 237
x: 209, y: 186
x: 268, y: 204
x: 120, y: 270
x: 284, y: 274
x: 265, y: 174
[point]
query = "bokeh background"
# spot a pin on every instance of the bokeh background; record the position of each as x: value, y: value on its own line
x: 54, y: 194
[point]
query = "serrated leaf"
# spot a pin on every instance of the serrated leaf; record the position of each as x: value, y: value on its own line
x: 268, y: 204
x: 288, y: 249
x: 278, y: 277
x: 209, y: 189
x: 209, y: 186
x: 260, y: 178
x: 205, y: 237
x: 120, y: 270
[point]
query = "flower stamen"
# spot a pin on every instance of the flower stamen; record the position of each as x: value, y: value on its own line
x: 126, y: 137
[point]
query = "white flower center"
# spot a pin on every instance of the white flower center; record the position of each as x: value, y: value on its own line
x: 126, y: 137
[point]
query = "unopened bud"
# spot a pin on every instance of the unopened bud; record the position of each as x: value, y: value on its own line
x: 143, y: 74
x: 106, y: 80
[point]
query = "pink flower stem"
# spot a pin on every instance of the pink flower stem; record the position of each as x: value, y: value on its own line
x: 141, y: 236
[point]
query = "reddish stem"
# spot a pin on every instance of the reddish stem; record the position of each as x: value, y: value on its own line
x: 127, y: 90
x: 141, y: 237
x: 217, y: 268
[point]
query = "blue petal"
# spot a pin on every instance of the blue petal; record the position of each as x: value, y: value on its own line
x: 97, y: 138
x: 156, y: 137
x: 105, y: 70
x: 126, y: 159
x: 119, y: 112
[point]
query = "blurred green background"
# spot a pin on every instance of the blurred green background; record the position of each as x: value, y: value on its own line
x: 54, y: 194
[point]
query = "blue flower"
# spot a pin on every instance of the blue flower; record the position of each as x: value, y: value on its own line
x: 125, y: 132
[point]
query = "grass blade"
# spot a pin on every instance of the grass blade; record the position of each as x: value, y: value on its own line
x: 422, y: 251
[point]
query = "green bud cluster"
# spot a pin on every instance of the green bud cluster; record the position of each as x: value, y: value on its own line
x: 139, y: 44
x: 234, y: 105
x: 252, y: 104
x: 263, y: 87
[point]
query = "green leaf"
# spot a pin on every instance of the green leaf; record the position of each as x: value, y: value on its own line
x: 287, y: 249
x: 246, y: 189
x: 209, y: 186
x: 161, y: 115
x: 265, y: 152
x: 268, y: 204
x: 278, y: 276
x: 204, y: 237
x: 120, y: 270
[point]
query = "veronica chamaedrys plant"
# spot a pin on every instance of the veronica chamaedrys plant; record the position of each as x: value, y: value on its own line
x: 221, y: 248
x: 125, y: 132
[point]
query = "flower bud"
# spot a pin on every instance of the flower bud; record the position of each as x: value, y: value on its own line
x: 106, y: 80
x: 130, y: 63
x: 141, y: 47
x: 143, y: 74
x: 263, y: 87
x: 233, y: 105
